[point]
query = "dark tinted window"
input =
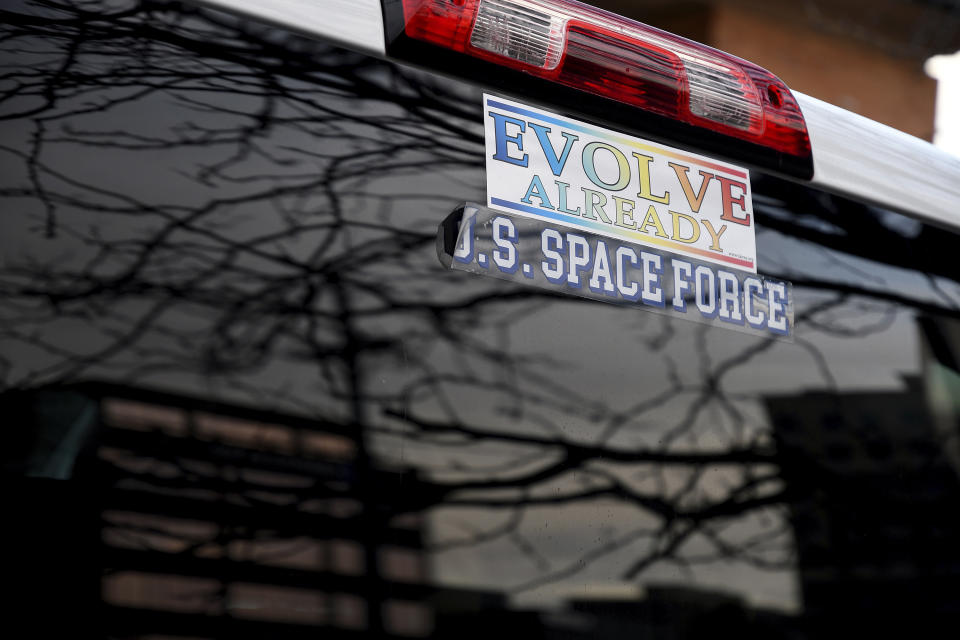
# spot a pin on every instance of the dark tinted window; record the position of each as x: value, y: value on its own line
x: 243, y: 397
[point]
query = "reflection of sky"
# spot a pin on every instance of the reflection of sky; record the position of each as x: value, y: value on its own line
x: 563, y: 369
x: 946, y: 69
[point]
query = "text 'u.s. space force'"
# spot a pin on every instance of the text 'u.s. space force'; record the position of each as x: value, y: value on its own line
x: 591, y: 266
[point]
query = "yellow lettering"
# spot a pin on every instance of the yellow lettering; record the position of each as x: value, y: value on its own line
x: 654, y: 219
x: 694, y: 228
x: 714, y: 234
x: 624, y: 210
x: 643, y: 174
x: 695, y: 201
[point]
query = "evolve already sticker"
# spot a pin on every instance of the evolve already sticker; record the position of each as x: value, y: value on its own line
x: 561, y: 170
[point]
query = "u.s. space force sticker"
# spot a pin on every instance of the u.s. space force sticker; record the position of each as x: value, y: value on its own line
x: 524, y: 249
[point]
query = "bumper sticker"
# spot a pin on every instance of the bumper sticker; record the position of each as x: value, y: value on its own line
x: 564, y: 171
x: 567, y: 260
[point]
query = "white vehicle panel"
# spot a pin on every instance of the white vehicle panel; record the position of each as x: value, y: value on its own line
x: 356, y: 24
x: 863, y: 159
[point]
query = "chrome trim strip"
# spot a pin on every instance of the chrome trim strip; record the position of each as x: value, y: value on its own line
x: 355, y: 24
x: 855, y: 156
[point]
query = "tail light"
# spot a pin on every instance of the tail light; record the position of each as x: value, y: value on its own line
x: 607, y: 55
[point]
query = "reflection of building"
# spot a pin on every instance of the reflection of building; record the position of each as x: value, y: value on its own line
x: 219, y: 521
x: 874, y: 507
x: 681, y: 613
x: 663, y: 613
x: 159, y: 515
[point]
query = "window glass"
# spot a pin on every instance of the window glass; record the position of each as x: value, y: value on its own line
x: 224, y: 326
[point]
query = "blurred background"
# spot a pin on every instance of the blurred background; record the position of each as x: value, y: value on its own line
x: 894, y: 61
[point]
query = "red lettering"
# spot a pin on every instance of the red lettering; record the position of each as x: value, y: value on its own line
x: 726, y: 184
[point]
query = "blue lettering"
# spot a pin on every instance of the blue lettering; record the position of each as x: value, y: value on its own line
x: 502, y: 139
x: 652, y: 270
x: 504, y: 236
x: 706, y: 291
x: 752, y: 289
x: 579, y: 258
x: 777, y: 304
x: 556, y: 164
x: 602, y: 279
x: 682, y: 283
x: 626, y: 255
x: 536, y: 190
x: 729, y: 294
x: 552, y: 265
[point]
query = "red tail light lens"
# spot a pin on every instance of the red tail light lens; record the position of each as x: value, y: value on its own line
x: 607, y: 55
